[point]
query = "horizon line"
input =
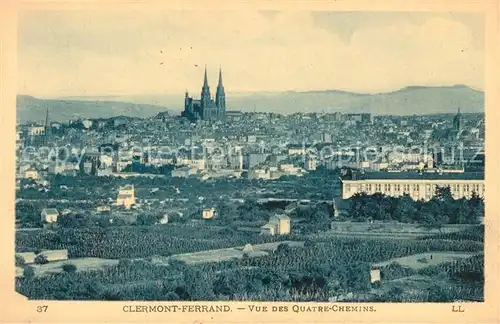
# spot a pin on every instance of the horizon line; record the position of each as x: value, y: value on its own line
x: 256, y: 91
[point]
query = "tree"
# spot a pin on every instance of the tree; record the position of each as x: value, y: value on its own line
x: 19, y: 261
x: 41, y: 259
x: 228, y: 284
x: 198, y: 284
x: 443, y: 194
x: 172, y: 296
x: 29, y: 272
x: 405, y: 209
x: 67, y: 221
x: 182, y: 293
x: 69, y: 267
x: 462, y: 213
x: 283, y: 248
x: 28, y: 213
x: 476, y: 204
x: 124, y: 263
x: 147, y: 219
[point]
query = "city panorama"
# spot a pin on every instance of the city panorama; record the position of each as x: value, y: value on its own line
x: 269, y: 156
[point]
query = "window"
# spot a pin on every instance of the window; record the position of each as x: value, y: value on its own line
x: 347, y: 187
x: 387, y: 187
x: 416, y: 187
x: 396, y: 187
x: 466, y: 187
x: 369, y: 188
x: 378, y: 187
x: 406, y: 188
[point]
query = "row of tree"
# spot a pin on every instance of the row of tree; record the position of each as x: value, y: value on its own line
x: 441, y: 209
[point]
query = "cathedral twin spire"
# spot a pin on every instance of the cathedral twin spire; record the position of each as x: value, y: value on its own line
x: 206, y: 107
x: 220, y: 96
x: 205, y: 80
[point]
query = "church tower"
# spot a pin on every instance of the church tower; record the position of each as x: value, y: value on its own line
x: 205, y: 92
x: 458, y: 121
x: 220, y: 96
x: 47, y: 128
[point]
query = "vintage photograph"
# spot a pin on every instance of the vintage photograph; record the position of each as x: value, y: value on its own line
x: 257, y: 155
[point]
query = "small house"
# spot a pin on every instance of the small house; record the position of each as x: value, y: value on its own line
x: 268, y: 229
x: 282, y: 223
x: 375, y: 275
x: 103, y: 209
x: 31, y: 174
x: 49, y: 215
x: 208, y: 213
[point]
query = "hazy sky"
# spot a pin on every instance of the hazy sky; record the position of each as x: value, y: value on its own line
x: 119, y: 53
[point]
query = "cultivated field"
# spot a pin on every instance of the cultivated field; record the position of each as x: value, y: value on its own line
x: 424, y: 260
x: 232, y: 253
x: 82, y: 264
x: 394, y: 228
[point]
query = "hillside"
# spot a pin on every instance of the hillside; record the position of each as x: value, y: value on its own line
x: 33, y: 109
x: 407, y: 101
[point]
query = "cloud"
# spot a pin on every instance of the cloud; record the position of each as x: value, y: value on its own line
x: 75, y: 53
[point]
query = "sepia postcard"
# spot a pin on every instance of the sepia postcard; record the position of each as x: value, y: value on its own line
x: 235, y: 162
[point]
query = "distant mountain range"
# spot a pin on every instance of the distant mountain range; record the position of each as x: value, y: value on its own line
x: 34, y: 109
x: 407, y: 101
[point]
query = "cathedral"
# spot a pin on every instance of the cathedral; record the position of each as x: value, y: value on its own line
x: 206, y: 107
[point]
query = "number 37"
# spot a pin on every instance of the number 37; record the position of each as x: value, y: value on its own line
x: 42, y: 309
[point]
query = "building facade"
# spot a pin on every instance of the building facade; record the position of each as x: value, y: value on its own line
x: 208, y: 213
x: 49, y: 215
x: 206, y: 108
x: 277, y: 225
x: 417, y: 186
x: 126, y: 196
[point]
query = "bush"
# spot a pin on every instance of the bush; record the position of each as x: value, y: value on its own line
x: 19, y: 261
x: 41, y: 259
x: 69, y: 267
x: 29, y: 272
x: 172, y: 296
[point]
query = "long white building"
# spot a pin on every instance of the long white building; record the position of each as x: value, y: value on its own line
x: 416, y: 185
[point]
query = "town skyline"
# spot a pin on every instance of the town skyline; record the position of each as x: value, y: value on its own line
x: 279, y: 158
x: 173, y: 56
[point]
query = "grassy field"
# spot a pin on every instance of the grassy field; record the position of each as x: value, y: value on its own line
x: 393, y: 227
x: 137, y: 241
x: 82, y: 264
x: 423, y: 260
x: 231, y: 253
x: 416, y: 288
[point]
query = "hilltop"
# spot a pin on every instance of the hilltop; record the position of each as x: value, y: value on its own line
x: 420, y: 100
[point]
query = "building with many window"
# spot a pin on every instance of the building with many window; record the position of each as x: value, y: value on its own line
x: 417, y: 185
x: 126, y: 196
